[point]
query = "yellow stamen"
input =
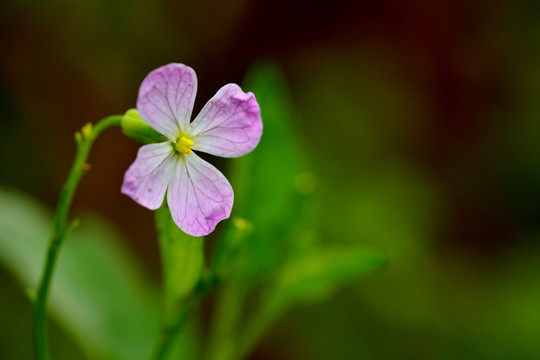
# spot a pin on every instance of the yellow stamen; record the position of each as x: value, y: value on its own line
x: 183, y: 145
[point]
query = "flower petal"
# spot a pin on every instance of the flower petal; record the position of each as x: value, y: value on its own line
x: 166, y: 98
x: 229, y: 125
x: 147, y: 178
x: 199, y: 196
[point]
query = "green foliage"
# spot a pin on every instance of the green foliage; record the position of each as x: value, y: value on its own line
x: 182, y: 259
x: 313, y: 275
x: 98, y: 295
x: 264, y: 180
x: 281, y: 262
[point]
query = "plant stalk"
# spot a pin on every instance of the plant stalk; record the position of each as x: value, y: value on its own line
x: 61, y: 228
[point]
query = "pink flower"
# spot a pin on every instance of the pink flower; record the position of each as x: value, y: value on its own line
x: 229, y: 125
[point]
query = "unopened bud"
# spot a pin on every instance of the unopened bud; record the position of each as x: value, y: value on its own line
x: 135, y: 127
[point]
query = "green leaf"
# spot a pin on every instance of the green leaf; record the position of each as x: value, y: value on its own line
x: 271, y: 184
x: 314, y: 275
x: 267, y: 191
x: 98, y: 294
x: 309, y: 277
x: 182, y: 260
x: 267, y: 196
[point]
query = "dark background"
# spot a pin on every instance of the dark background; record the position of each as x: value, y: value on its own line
x: 422, y: 123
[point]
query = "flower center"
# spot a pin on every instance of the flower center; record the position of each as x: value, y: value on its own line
x: 183, y: 145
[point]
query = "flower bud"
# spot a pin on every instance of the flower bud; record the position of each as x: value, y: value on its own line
x: 231, y: 249
x: 135, y: 127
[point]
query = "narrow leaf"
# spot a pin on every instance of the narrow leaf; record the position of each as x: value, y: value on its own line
x: 98, y: 294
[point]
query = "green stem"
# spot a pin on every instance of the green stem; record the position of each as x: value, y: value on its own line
x: 170, y: 331
x: 84, y: 140
x: 225, y: 322
x: 255, y: 329
x: 172, y: 328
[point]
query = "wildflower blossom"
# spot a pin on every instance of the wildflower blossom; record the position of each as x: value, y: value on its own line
x: 229, y: 125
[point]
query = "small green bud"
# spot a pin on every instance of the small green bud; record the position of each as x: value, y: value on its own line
x: 243, y: 226
x: 230, y: 251
x: 78, y: 137
x: 135, y: 127
x: 86, y: 130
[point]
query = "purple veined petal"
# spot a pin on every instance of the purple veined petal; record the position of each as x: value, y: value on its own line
x: 229, y: 125
x: 199, y: 196
x: 166, y: 98
x: 147, y: 178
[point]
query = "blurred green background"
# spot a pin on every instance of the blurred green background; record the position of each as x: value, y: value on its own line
x: 419, y: 119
